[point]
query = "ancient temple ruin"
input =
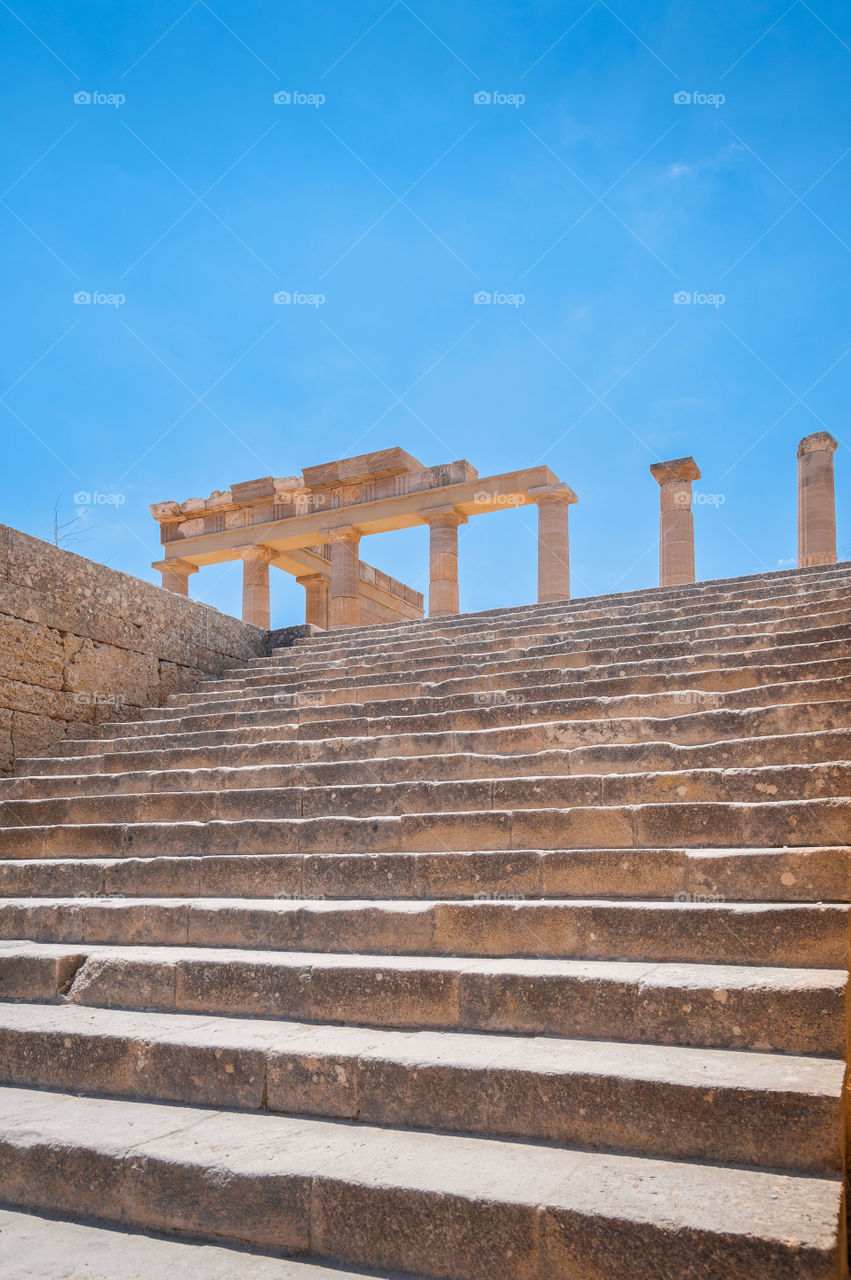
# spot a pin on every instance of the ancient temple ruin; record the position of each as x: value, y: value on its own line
x: 311, y: 526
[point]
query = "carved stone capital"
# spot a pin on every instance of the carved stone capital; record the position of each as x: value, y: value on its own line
x: 346, y: 533
x: 445, y: 515
x: 682, y: 469
x: 177, y: 566
x: 553, y: 493
x: 256, y: 552
x: 818, y: 442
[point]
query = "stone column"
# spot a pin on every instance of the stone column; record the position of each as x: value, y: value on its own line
x: 816, y: 500
x: 255, y: 584
x: 443, y: 525
x: 343, y: 595
x: 315, y: 598
x: 553, y: 546
x: 676, y: 523
x: 175, y: 575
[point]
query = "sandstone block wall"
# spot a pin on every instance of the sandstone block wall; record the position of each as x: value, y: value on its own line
x: 81, y: 643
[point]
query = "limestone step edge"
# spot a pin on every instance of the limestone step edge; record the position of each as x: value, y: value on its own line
x: 512, y: 706
x: 751, y: 1108
x: 772, y: 614
x: 626, y: 728
x: 791, y: 935
x: 798, y: 1011
x: 703, y: 824
x: 558, y: 681
x: 811, y: 747
x: 539, y: 735
x: 49, y: 1246
x: 466, y: 1208
x: 299, y: 798
x: 815, y: 874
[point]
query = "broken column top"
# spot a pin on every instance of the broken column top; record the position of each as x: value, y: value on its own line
x: 819, y: 441
x: 676, y: 469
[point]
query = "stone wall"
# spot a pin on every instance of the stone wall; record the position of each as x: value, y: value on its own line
x: 81, y: 643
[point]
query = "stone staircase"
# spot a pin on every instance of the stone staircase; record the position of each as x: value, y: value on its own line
x: 511, y: 944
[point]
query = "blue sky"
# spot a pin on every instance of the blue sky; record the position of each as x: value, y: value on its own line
x: 582, y: 185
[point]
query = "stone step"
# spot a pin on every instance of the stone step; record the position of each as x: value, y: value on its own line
x: 652, y: 603
x: 812, y: 748
x: 415, y: 697
x: 597, y: 641
x: 683, y: 624
x: 242, y: 747
x: 288, y: 798
x: 679, y: 875
x: 37, y: 1247
x: 710, y: 824
x: 670, y: 638
x: 466, y: 711
x: 792, y: 935
x: 798, y: 1011
x: 748, y: 586
x: 626, y: 626
x: 650, y: 677
x: 382, y: 718
x: 745, y: 1108
x: 81, y: 749
x: 455, y: 1206
x: 564, y: 647
x: 742, y: 651
x: 548, y: 668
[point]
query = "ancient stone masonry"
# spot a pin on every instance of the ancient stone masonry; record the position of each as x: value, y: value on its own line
x: 311, y: 525
x: 508, y: 945
x: 505, y: 945
x: 81, y: 643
